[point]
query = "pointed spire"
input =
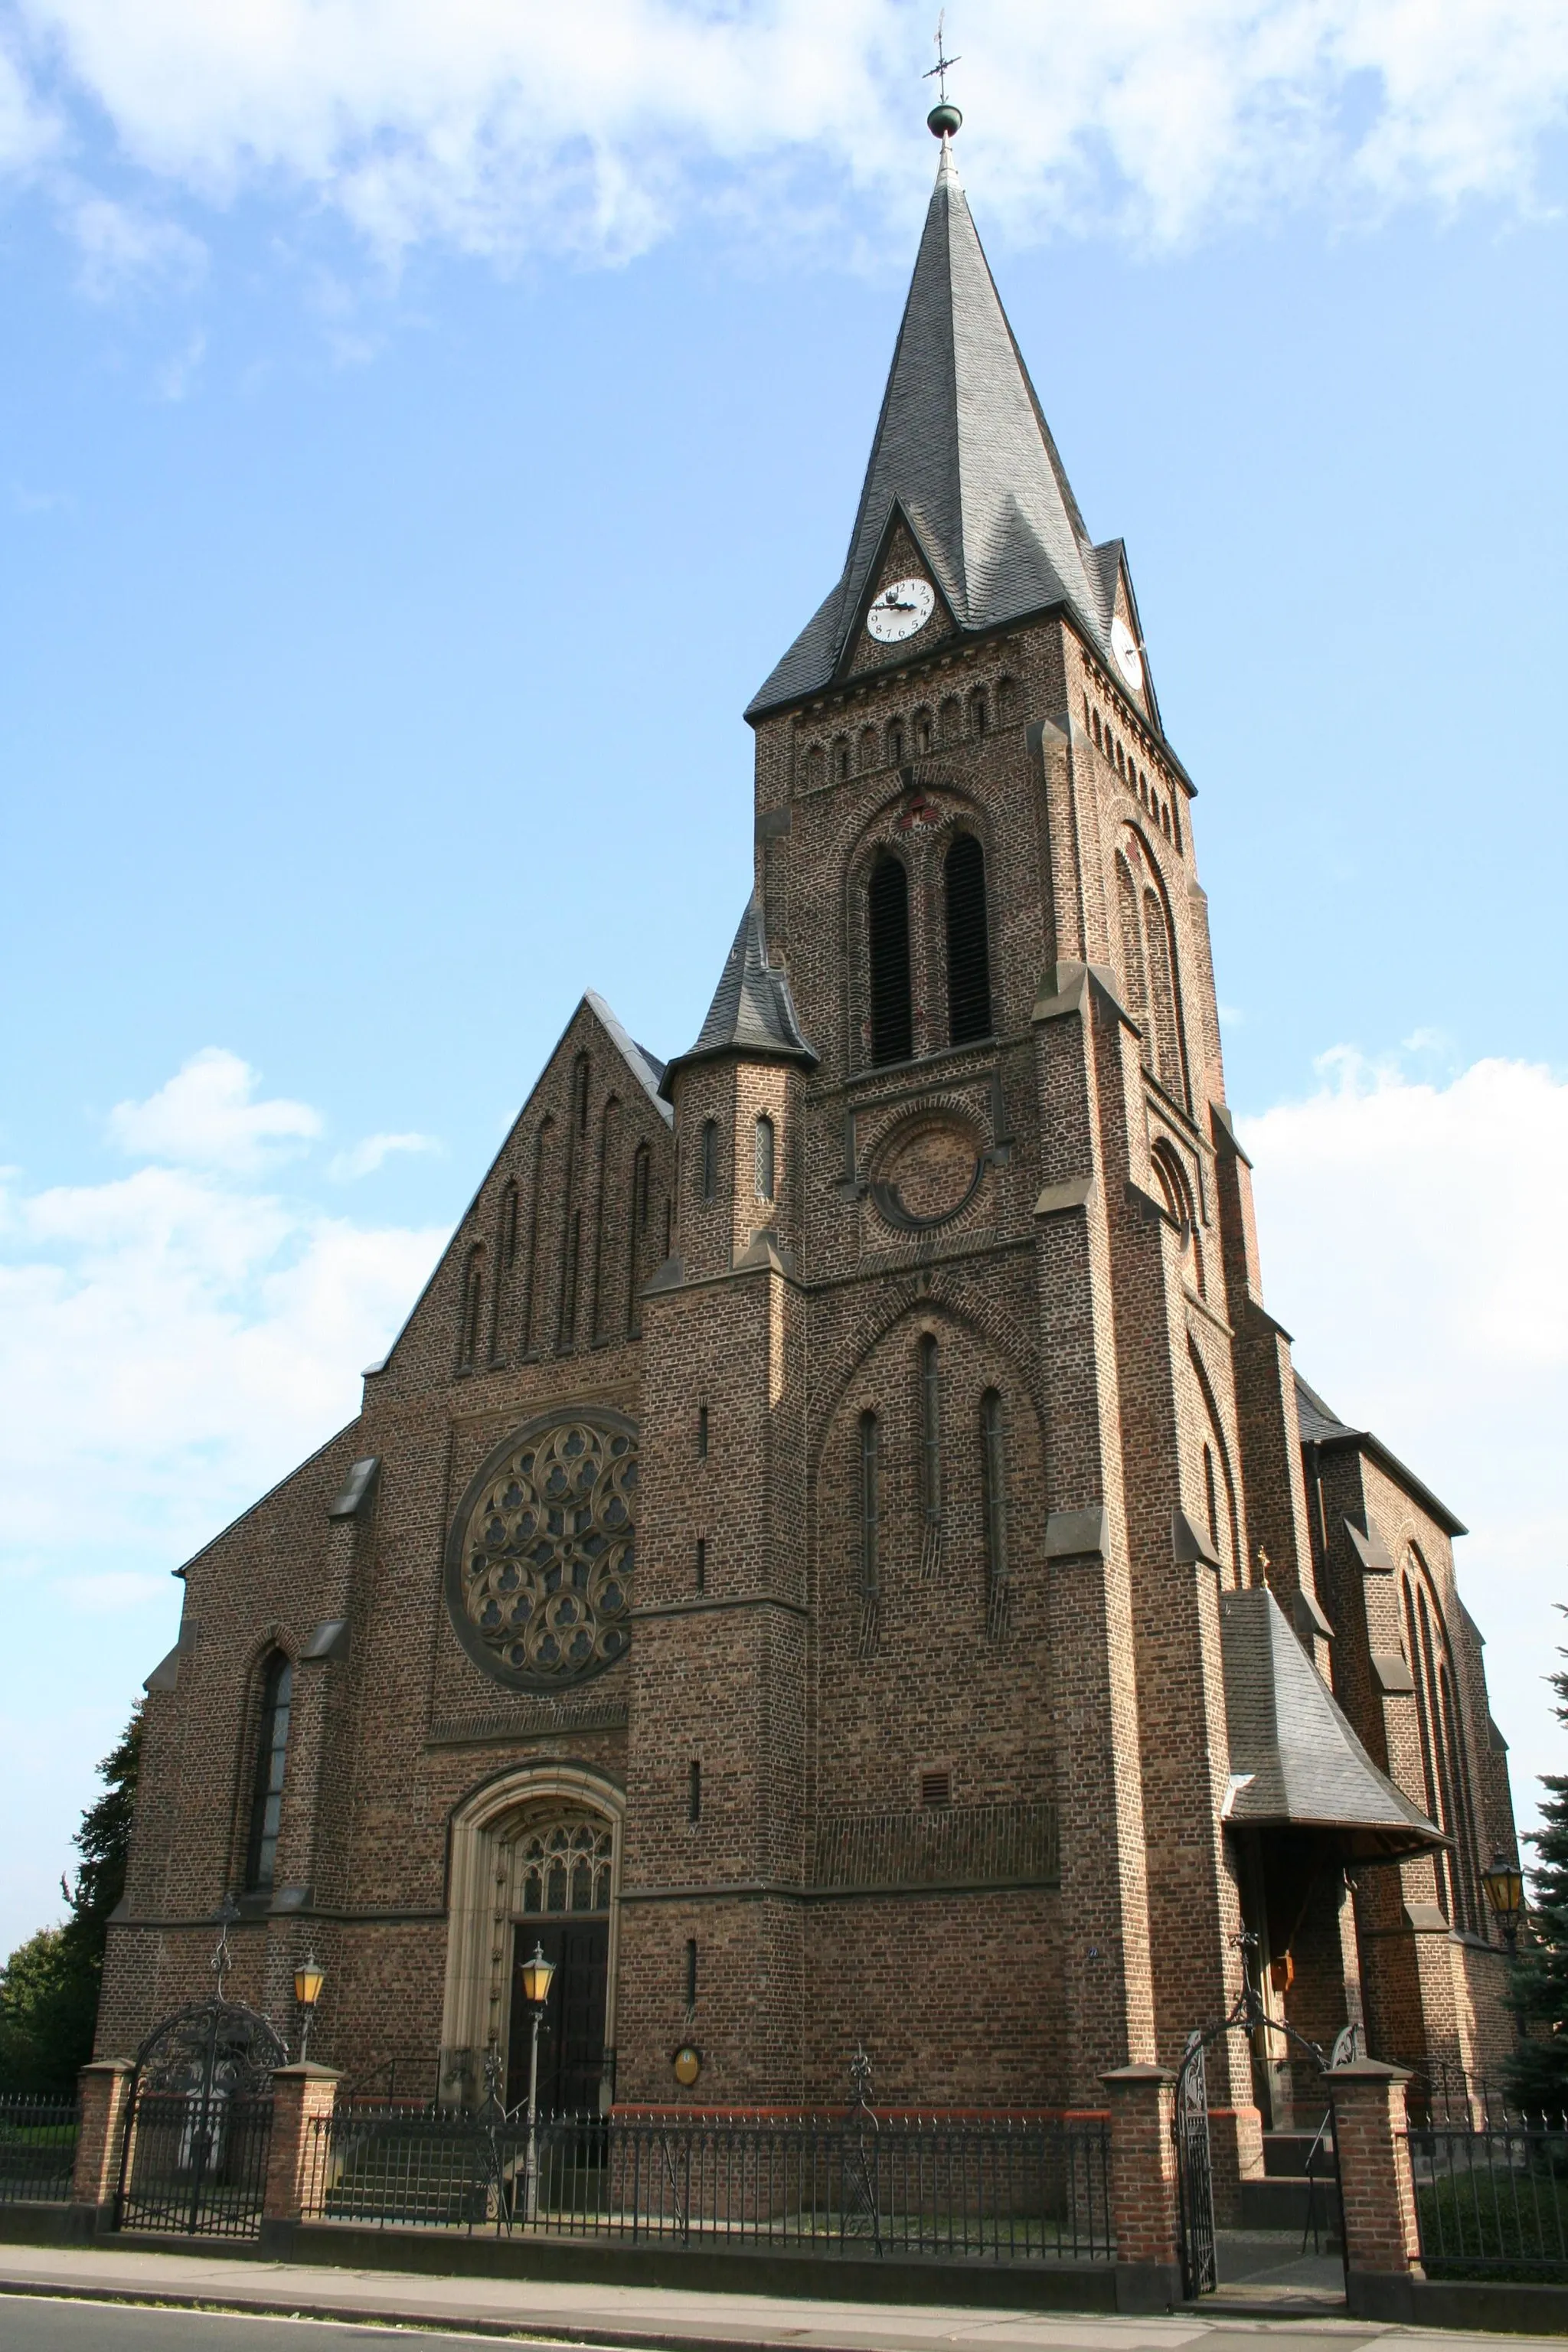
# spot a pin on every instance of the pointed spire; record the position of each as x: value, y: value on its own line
x: 963, y: 448
x: 752, y: 1013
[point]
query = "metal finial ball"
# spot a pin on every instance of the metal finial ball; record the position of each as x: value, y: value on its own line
x: 943, y: 120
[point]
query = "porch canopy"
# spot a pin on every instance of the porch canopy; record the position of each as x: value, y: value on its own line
x: 1295, y: 1763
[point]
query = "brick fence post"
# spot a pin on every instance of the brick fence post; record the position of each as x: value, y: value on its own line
x: 1382, y: 2249
x: 302, y: 2096
x: 1143, y: 2186
x: 104, y: 2088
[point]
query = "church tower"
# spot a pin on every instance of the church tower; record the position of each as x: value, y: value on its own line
x: 940, y: 1552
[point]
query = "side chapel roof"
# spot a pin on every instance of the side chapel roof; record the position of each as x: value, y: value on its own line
x: 1320, y: 1426
x: 1294, y: 1760
x: 962, y: 448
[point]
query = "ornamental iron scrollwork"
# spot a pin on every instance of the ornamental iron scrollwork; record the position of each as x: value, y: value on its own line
x: 211, y: 2048
x: 540, y: 1561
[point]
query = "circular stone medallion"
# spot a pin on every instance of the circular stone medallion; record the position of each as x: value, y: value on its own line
x: 539, y: 1562
x: 927, y: 1169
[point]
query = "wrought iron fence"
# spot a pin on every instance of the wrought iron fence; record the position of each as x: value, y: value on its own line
x: 196, y: 2163
x: 1451, y: 2097
x: 1000, y: 2191
x: 1493, y: 2203
x: 38, y: 2148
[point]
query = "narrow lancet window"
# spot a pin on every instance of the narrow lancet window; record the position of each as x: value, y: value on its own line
x: 765, y: 1145
x: 993, y: 1494
x: 708, y: 1160
x: 968, y: 952
x: 870, y: 1511
x: 271, y: 1759
x: 931, y: 1455
x: 892, y: 1010
x: 472, y: 1308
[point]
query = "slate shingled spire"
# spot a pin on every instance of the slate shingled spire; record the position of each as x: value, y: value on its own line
x: 964, y: 448
x: 752, y: 1012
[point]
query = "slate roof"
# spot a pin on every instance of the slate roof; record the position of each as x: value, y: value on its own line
x: 1294, y: 1760
x: 963, y: 448
x: 753, y: 1011
x: 1319, y: 1424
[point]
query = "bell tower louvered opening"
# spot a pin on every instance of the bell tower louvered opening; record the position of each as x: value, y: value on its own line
x: 892, y: 1020
x: 968, y: 954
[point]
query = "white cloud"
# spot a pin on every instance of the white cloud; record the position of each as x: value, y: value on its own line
x: 172, y: 1341
x: 363, y: 1159
x: 1413, y: 1239
x: 123, y: 250
x: 507, y: 126
x: 204, y: 1118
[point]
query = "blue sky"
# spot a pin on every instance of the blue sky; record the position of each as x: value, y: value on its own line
x: 411, y: 462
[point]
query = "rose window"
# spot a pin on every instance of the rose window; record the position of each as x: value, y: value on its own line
x: 539, y: 1567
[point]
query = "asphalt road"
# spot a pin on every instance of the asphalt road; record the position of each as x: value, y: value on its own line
x: 41, y: 2323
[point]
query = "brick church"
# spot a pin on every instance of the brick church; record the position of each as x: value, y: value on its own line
x: 840, y: 1552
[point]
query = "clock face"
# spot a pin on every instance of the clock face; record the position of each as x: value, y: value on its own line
x: 900, y: 610
x: 1129, y: 660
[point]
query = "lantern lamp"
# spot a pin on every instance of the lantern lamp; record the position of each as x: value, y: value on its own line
x: 536, y: 1975
x: 1504, y: 1888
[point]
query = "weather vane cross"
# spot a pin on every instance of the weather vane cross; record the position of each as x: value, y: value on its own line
x: 942, y: 60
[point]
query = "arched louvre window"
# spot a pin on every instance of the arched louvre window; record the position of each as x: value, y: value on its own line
x: 892, y: 1013
x: 870, y: 1515
x: 994, y: 1493
x: 765, y: 1157
x: 931, y: 1455
x: 271, y: 1760
x: 968, y: 951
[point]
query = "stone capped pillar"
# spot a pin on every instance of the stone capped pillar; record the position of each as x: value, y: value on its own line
x: 104, y: 2088
x: 302, y: 2097
x: 1143, y: 2192
x: 1382, y: 2249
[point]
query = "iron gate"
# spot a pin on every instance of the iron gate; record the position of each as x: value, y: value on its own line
x: 1194, y: 2172
x: 1190, y: 2123
x: 199, y: 2124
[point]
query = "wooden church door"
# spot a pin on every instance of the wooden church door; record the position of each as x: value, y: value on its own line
x: 572, y: 2033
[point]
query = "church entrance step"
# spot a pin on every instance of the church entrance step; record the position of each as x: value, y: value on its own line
x: 1285, y: 2155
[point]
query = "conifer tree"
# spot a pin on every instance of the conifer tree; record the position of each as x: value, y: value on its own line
x: 49, y: 1987
x: 1539, y: 2068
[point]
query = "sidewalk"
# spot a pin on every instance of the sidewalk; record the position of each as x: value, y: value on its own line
x: 650, y: 2319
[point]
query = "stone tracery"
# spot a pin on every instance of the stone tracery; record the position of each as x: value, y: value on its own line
x: 540, y: 1569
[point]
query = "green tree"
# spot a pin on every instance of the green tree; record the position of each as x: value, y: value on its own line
x: 1539, y: 2068
x: 49, y: 1987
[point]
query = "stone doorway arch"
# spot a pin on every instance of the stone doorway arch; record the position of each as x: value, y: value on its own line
x: 502, y: 1875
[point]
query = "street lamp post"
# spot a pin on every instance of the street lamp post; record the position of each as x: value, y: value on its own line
x: 536, y: 1975
x: 308, y: 1979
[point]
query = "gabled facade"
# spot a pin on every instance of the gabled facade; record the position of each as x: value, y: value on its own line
x: 840, y: 1551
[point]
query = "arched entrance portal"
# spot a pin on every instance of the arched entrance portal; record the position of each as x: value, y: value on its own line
x: 536, y: 1858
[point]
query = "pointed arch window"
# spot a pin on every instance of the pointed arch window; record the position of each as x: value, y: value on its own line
x: 473, y: 1302
x: 994, y: 1493
x: 766, y: 1152
x: 271, y: 1762
x: 1445, y: 1762
x: 931, y: 1455
x: 870, y: 1467
x: 968, y: 950
x: 892, y: 1009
